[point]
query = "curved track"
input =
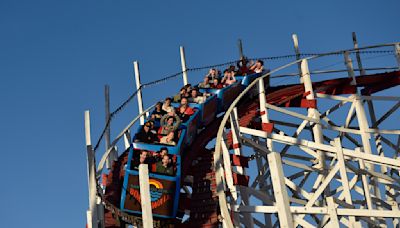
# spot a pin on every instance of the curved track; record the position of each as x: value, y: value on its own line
x: 216, y: 183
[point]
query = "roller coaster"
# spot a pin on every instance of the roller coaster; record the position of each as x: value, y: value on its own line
x: 257, y: 153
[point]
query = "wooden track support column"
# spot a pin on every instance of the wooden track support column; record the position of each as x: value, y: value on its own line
x: 313, y: 113
x: 139, y: 94
x: 281, y: 196
x: 183, y: 64
x: 297, y: 51
x: 237, y: 151
x: 269, y: 144
x: 147, y: 215
x: 92, y: 213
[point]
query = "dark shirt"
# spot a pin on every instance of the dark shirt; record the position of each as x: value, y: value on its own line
x: 146, y: 137
x: 164, y: 170
x: 158, y: 114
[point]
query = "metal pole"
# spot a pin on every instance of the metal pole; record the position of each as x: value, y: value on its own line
x: 92, y: 212
x: 145, y: 201
x: 139, y: 94
x: 107, y: 133
x: 240, y: 49
x: 355, y: 43
x: 183, y: 63
x: 397, y: 52
x: 297, y: 51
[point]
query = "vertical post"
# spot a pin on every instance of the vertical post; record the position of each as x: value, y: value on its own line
x: 183, y: 63
x: 297, y: 51
x: 281, y: 197
x: 107, y: 139
x: 240, y: 46
x: 145, y: 201
x: 312, y: 112
x: 365, y: 137
x: 355, y: 43
x: 264, y: 120
x: 139, y: 94
x: 349, y: 66
x: 263, y: 110
x: 92, y: 212
x: 237, y: 151
x: 397, y: 53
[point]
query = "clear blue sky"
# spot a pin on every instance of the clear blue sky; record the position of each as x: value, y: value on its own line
x: 56, y: 57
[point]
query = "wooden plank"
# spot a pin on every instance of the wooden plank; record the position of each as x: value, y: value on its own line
x: 147, y: 214
x: 280, y: 192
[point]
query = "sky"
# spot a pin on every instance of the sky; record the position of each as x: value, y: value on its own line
x: 56, y: 57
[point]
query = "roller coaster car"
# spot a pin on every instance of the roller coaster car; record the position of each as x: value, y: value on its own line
x: 157, y: 146
x: 164, y: 189
x: 226, y: 95
x: 208, y: 109
x: 247, y: 79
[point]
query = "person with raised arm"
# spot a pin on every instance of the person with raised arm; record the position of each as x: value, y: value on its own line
x: 169, y: 123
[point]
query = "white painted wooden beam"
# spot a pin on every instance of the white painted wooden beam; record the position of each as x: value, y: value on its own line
x: 280, y: 192
x: 145, y: 200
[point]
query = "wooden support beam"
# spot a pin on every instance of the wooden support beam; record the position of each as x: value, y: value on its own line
x: 183, y: 64
x: 139, y: 93
x: 147, y: 215
x: 92, y: 214
x: 280, y: 192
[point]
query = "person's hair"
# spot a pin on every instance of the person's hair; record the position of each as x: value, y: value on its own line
x: 163, y: 148
x: 170, y: 117
x: 148, y: 124
x: 159, y: 104
x: 168, y: 99
x: 260, y: 61
x: 226, y: 71
x: 142, y: 151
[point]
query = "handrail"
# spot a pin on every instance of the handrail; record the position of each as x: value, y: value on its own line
x: 220, y: 176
